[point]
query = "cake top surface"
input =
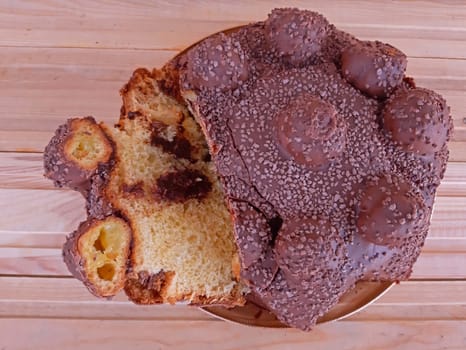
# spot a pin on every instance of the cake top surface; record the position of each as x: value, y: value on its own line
x: 329, y: 156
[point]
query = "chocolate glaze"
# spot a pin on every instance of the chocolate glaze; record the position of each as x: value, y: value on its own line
x: 97, y: 204
x: 258, y: 131
x: 296, y: 36
x: 418, y: 120
x: 224, y: 66
x: 390, y: 211
x: 373, y: 67
x: 311, y: 131
x: 179, y: 186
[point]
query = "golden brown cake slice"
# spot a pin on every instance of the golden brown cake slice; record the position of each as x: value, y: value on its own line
x: 159, y: 188
x: 167, y: 188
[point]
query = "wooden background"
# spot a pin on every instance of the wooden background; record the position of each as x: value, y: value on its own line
x: 67, y: 58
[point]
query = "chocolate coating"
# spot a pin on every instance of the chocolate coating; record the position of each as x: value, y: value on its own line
x: 97, y: 203
x: 418, y: 120
x: 311, y: 131
x: 254, y: 237
x: 266, y: 140
x: 217, y: 63
x: 296, y: 35
x: 373, y: 67
x: 390, y: 210
x: 179, y: 186
x: 307, y: 247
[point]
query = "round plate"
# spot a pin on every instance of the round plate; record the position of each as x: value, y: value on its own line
x: 362, y: 295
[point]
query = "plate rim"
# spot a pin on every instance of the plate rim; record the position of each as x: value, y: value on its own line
x: 386, y: 286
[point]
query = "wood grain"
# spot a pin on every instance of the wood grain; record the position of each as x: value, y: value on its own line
x: 25, y: 171
x: 46, y: 210
x: 423, y: 29
x: 59, y: 83
x: 68, y: 58
x: 62, y: 210
x: 124, y: 334
x: 440, y: 259
x: 67, y: 298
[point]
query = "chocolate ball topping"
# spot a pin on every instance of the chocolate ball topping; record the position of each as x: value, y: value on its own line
x: 417, y: 120
x: 373, y: 67
x: 306, y: 247
x: 311, y: 131
x: 390, y: 211
x: 296, y: 35
x: 217, y: 63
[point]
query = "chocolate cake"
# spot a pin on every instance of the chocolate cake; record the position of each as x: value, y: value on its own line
x: 328, y: 154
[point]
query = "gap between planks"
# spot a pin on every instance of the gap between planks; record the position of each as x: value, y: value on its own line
x: 438, y: 265
x: 56, y: 82
x: 25, y: 171
x: 52, y: 211
x: 167, y: 25
x: 60, y: 334
x: 68, y: 298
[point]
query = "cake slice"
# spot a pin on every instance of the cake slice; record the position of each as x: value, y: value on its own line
x: 158, y: 226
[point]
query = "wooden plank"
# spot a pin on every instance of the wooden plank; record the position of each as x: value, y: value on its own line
x: 440, y: 263
x: 449, y: 217
x: 454, y: 181
x: 68, y: 298
x: 32, y: 261
x: 446, y: 265
x: 62, y: 210
x: 457, y: 151
x: 28, y: 239
x: 25, y: 171
x: 411, y: 25
x: 27, y: 72
x: 71, y: 290
x: 57, y: 81
x: 123, y: 334
x: 41, y: 210
x: 35, y: 141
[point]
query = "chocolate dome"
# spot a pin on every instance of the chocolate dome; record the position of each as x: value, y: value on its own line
x: 217, y: 62
x: 417, y: 120
x: 296, y: 35
x: 373, y: 67
x: 311, y: 131
x: 390, y: 211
